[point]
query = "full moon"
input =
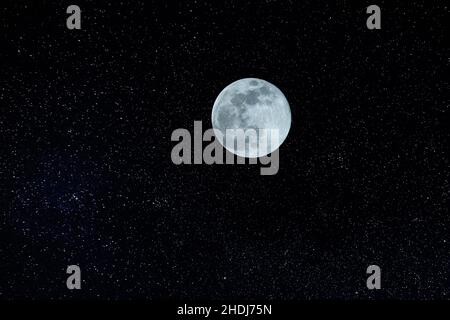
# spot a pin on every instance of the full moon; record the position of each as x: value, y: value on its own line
x: 251, y: 104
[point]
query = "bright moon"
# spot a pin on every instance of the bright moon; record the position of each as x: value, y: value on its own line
x: 251, y: 104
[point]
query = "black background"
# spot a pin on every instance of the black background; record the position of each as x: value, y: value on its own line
x: 87, y: 179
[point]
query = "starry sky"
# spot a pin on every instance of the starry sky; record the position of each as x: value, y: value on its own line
x: 86, y: 176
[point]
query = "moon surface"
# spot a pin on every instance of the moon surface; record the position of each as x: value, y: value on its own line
x: 247, y: 104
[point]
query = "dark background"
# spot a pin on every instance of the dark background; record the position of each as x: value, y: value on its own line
x: 87, y: 179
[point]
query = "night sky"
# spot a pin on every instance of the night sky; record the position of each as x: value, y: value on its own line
x: 86, y: 176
